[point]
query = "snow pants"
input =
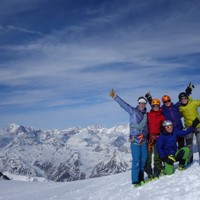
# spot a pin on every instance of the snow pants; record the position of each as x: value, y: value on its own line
x: 139, y: 157
x: 189, y: 142
x: 182, y: 156
x: 157, y: 162
x: 181, y: 142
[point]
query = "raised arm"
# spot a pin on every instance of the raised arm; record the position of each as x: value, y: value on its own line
x: 149, y: 97
x: 189, y: 88
x: 121, y: 102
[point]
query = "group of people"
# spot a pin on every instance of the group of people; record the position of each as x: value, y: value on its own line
x: 161, y: 134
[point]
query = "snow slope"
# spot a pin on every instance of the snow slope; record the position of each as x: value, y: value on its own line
x: 181, y: 185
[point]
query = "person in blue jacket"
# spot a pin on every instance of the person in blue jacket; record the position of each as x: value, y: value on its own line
x: 171, y: 112
x: 167, y: 147
x: 138, y: 136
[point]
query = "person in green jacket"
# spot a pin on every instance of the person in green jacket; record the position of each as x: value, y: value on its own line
x: 189, y: 111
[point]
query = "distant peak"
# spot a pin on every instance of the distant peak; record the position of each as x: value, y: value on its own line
x: 94, y: 126
x: 13, y: 126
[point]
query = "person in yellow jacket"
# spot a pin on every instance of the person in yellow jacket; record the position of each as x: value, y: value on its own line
x: 189, y: 111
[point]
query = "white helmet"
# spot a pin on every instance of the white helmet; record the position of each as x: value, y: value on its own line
x: 167, y: 123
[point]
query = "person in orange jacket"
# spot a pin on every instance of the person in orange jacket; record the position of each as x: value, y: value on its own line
x: 155, y: 119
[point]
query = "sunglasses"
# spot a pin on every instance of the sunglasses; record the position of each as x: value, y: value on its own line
x: 156, y: 106
x: 168, y: 126
x: 167, y: 101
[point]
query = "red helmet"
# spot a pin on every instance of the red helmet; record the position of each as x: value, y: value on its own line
x: 155, y: 102
x: 166, y: 98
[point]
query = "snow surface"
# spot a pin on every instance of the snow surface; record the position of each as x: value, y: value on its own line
x: 181, y: 185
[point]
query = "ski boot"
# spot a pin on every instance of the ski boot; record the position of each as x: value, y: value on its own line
x: 150, y: 178
x: 181, y: 168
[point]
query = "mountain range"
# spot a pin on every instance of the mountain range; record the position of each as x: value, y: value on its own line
x: 64, y: 155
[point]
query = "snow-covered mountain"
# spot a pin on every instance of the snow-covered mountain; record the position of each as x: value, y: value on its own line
x: 64, y: 155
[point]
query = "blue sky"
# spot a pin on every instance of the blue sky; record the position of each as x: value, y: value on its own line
x: 59, y: 59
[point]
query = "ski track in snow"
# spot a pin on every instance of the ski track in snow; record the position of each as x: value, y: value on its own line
x: 182, y: 185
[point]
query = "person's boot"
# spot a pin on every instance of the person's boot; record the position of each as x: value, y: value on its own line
x: 141, y: 178
x: 182, y: 164
x: 156, y: 174
x: 136, y: 184
x: 150, y: 178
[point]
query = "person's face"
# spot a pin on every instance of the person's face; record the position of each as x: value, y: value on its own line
x: 142, y: 106
x: 156, y: 107
x: 184, y: 100
x: 169, y: 129
x: 168, y: 103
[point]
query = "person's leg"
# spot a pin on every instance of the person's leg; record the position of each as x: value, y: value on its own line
x: 181, y: 142
x: 182, y: 156
x: 135, y: 151
x: 189, y: 144
x: 148, y: 167
x: 157, y: 162
x: 144, y: 153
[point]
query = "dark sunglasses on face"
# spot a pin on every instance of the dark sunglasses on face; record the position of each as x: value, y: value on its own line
x: 156, y: 106
x: 167, y: 101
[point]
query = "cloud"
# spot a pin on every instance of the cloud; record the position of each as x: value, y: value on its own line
x: 14, y: 28
x: 70, y: 70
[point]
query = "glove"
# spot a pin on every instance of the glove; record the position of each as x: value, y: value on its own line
x: 191, y: 85
x: 112, y: 93
x: 148, y: 96
x: 169, y: 159
x: 195, y: 122
x: 189, y: 88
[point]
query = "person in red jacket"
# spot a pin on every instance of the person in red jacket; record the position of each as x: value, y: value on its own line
x: 155, y: 119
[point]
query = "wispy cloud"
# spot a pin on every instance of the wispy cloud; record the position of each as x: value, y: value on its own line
x: 118, y: 46
x: 14, y: 28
